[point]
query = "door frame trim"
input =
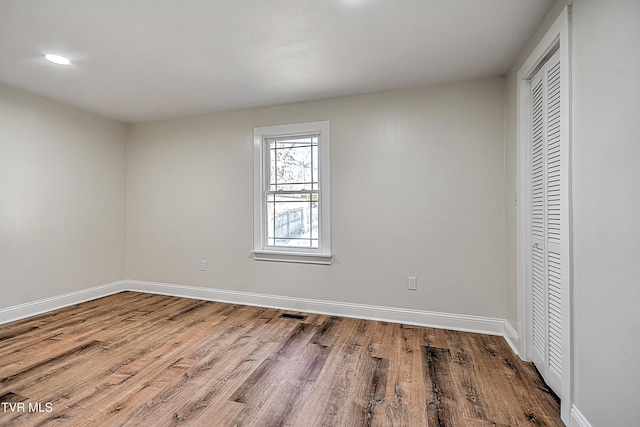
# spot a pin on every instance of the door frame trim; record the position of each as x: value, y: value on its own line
x: 557, y: 37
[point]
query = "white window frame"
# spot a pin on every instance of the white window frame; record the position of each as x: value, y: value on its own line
x: 263, y: 252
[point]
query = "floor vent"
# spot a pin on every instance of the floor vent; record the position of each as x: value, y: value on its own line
x: 293, y: 316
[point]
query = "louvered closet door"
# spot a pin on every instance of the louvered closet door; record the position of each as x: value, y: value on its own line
x: 548, y: 217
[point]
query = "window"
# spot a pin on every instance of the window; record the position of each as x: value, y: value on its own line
x: 291, y: 193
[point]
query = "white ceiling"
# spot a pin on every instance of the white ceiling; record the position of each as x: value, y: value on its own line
x: 142, y: 60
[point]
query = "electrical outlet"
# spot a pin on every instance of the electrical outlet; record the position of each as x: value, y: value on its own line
x: 203, y: 265
x: 412, y: 283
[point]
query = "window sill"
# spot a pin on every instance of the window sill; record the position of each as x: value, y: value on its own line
x: 299, y: 257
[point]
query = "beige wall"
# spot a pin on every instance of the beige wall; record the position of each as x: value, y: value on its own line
x: 62, y: 199
x: 417, y: 189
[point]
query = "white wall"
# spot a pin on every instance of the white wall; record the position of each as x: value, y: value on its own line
x: 62, y: 199
x: 417, y: 189
x: 606, y: 210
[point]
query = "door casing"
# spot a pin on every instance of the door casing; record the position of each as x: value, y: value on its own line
x: 557, y: 37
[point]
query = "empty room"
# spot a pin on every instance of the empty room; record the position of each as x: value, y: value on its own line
x: 319, y: 213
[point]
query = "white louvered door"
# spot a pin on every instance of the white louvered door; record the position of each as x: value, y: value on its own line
x: 549, y: 208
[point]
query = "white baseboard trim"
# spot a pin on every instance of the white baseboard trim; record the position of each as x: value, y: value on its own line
x: 21, y: 311
x: 577, y: 419
x: 512, y: 337
x: 458, y: 322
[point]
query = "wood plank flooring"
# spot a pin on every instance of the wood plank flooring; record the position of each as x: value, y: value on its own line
x: 135, y: 359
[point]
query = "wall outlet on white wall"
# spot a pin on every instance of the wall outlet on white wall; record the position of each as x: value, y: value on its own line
x: 412, y: 283
x: 203, y: 265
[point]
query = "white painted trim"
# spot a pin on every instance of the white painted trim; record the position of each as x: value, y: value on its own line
x: 261, y: 251
x: 17, y: 312
x: 458, y: 322
x: 577, y: 419
x: 512, y: 338
x: 281, y: 256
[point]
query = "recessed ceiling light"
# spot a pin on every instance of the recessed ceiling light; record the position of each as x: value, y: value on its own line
x: 354, y: 2
x: 57, y: 59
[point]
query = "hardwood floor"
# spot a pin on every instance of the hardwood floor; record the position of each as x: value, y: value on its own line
x: 149, y: 360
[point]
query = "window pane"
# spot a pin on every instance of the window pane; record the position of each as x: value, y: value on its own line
x: 292, y: 220
x: 272, y: 171
x: 270, y: 214
x: 315, y: 164
x: 293, y: 164
x: 314, y: 224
